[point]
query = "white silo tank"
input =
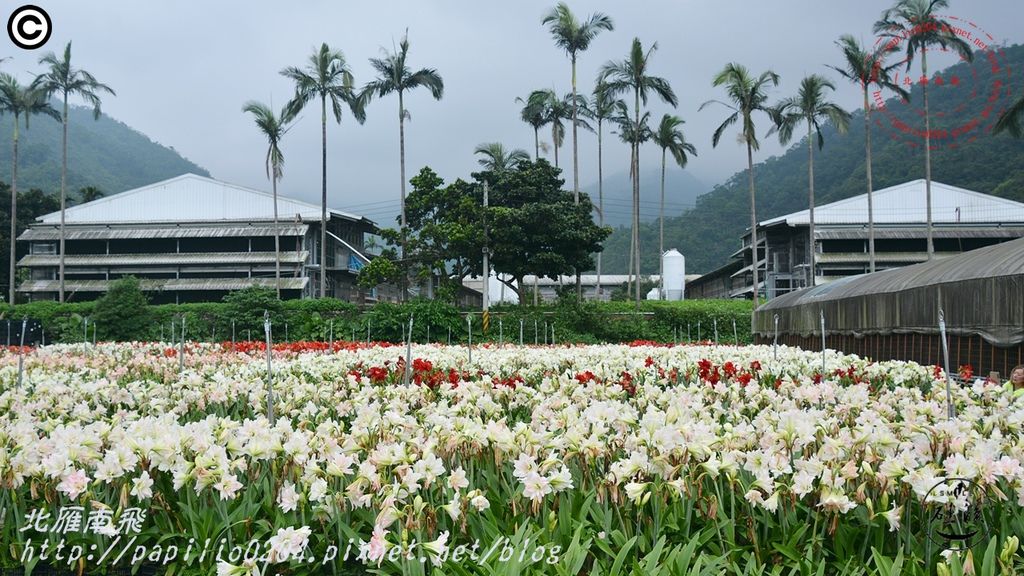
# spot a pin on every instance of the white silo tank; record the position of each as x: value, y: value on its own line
x: 674, y: 265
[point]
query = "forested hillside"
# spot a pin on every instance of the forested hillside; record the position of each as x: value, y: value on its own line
x: 103, y: 153
x: 708, y: 233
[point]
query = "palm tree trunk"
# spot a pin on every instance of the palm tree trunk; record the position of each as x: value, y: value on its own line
x: 575, y: 168
x: 927, y: 152
x: 554, y: 141
x: 401, y: 145
x: 277, y: 240
x: 810, y: 180
x: 753, y: 221
x: 600, y: 204
x: 636, y: 199
x: 871, y: 207
x: 323, y: 200
x: 661, y: 233
x: 575, y: 151
x: 536, y: 144
x: 14, y: 208
x: 632, y: 229
x: 63, y: 198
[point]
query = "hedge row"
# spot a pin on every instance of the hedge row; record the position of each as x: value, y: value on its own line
x: 241, y: 316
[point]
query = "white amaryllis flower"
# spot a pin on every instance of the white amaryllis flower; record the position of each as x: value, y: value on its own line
x: 288, y: 543
x: 560, y: 480
x: 288, y: 498
x: 893, y: 517
x: 227, y: 569
x: 480, y: 502
x: 74, y: 484
x: 228, y: 487
x: 339, y: 464
x: 454, y: 508
x: 375, y: 549
x: 635, y: 491
x: 317, y: 490
x: 438, y: 549
x: 833, y: 501
x: 535, y: 486
x: 457, y: 479
x: 142, y: 487
x: 524, y: 465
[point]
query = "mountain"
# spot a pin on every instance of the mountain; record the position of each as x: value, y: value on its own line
x: 104, y: 153
x: 681, y: 192
x: 708, y: 233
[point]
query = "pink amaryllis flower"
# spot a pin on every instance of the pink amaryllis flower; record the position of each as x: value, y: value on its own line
x: 74, y: 484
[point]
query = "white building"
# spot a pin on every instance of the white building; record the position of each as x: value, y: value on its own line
x: 961, y: 220
x: 193, y: 238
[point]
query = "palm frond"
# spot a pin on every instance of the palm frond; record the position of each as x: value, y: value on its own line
x: 1011, y: 120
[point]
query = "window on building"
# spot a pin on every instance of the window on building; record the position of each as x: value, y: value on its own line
x: 43, y: 248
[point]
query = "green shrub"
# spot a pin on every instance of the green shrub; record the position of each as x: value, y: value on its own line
x: 573, y: 321
x: 123, y: 312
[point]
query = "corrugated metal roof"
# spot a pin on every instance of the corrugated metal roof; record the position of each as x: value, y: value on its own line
x: 842, y: 257
x: 42, y: 232
x: 190, y: 197
x: 918, y: 233
x: 163, y: 259
x: 149, y: 285
x: 1004, y: 259
x: 905, y: 203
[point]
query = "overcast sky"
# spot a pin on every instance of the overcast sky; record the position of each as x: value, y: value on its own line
x: 182, y: 70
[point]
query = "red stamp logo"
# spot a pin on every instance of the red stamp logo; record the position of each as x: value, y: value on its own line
x: 964, y: 101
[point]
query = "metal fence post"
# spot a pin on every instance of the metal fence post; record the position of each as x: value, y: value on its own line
x: 822, y: 314
x: 469, y: 346
x: 775, y: 342
x: 21, y: 351
x: 270, y: 372
x: 181, y: 348
x: 408, y: 353
x: 950, y: 409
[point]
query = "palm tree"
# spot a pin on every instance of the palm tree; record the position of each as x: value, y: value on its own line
x: 868, y: 69
x: 634, y: 134
x: 601, y: 107
x: 548, y: 108
x: 273, y: 127
x: 747, y: 95
x: 1010, y: 120
x: 20, y: 101
x: 574, y: 37
x: 395, y: 76
x: 63, y: 79
x: 623, y: 77
x: 497, y: 159
x: 533, y: 113
x: 669, y: 137
x: 326, y: 75
x: 90, y: 193
x: 810, y: 106
x: 916, y: 23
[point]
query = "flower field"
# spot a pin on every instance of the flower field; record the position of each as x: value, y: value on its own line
x: 614, y: 459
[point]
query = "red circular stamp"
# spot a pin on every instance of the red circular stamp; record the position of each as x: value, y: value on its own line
x: 966, y: 94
